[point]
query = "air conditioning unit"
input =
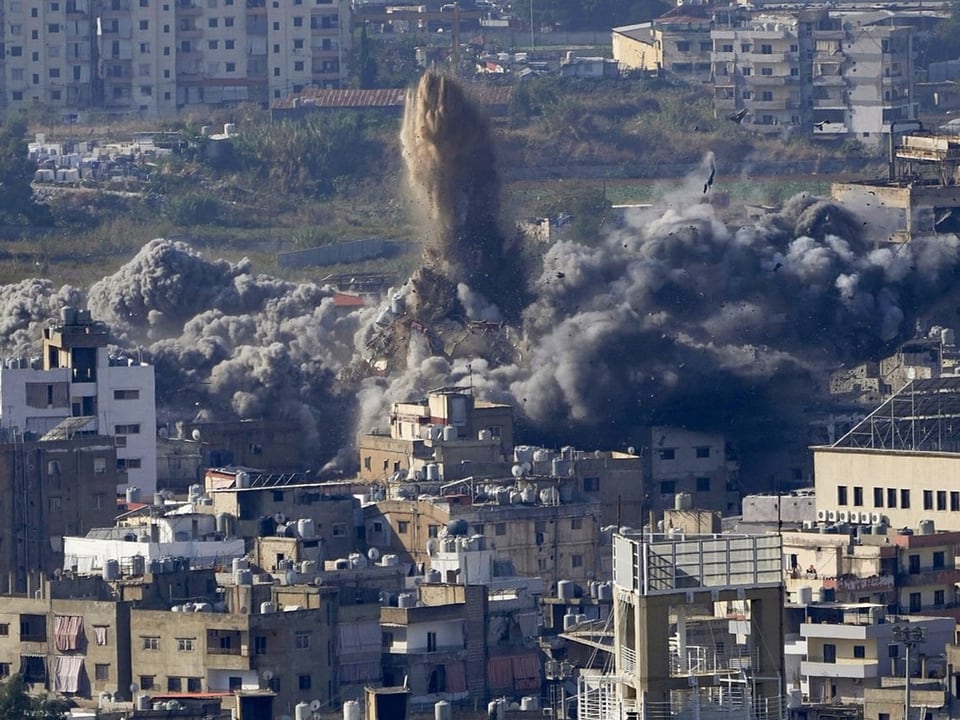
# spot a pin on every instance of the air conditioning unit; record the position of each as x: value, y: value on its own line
x: 843, y: 516
x: 875, y: 517
x: 855, y: 516
x: 807, y: 525
x: 831, y: 515
x: 821, y: 516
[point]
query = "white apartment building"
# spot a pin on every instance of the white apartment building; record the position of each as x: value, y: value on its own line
x: 155, y: 57
x: 77, y: 388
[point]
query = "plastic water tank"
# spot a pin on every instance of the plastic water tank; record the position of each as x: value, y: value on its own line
x: 926, y: 527
x: 111, y: 569
x: 565, y: 590
x: 529, y: 703
x: 306, y: 528
x: 406, y: 600
x: 605, y: 591
x: 267, y: 608
x: 804, y: 595
x: 133, y: 494
x: 433, y: 471
x: 569, y: 621
x: 497, y: 709
x: 143, y: 702
x: 308, y: 567
x: 243, y: 577
x: 138, y: 563
x: 239, y: 563
x: 441, y: 710
x: 351, y: 710
x: 682, y: 501
x: 484, y: 435
x: 432, y: 576
x: 390, y: 561
x: 302, y: 711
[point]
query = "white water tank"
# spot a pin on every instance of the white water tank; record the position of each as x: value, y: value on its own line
x: 306, y: 528
x: 389, y: 561
x: 496, y: 709
x: 267, y: 608
x: 441, y: 711
x: 449, y: 433
x: 133, y: 494
x: 529, y: 703
x: 926, y: 527
x: 432, y: 576
x: 484, y: 435
x: 111, y: 569
x: 682, y: 501
x: 406, y: 600
x: 240, y: 563
x: 243, y: 577
x: 565, y: 590
x: 302, y: 711
x: 433, y: 471
x: 569, y: 621
x: 351, y: 710
x: 605, y: 591
x: 143, y: 702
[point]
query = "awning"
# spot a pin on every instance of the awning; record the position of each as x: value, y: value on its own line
x: 100, y: 634
x: 68, y: 673
x: 360, y: 672
x: 67, y: 632
x: 520, y: 672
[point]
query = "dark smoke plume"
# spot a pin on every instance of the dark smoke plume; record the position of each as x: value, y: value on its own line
x: 672, y: 318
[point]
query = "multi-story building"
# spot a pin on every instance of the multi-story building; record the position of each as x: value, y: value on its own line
x: 701, y: 465
x: 154, y: 57
x: 677, y: 43
x: 76, y: 388
x: 53, y: 489
x: 901, y: 463
x: 852, y: 647
x: 668, y: 590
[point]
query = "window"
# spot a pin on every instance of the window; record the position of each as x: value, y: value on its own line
x: 302, y: 640
x: 298, y: 66
x: 433, y: 531
x: 229, y: 44
x: 766, y: 49
x: 303, y: 682
x: 703, y: 451
x: 668, y: 453
x: 857, y: 496
x: 859, y: 651
x: 431, y: 642
x: 913, y: 562
x: 130, y: 429
x: 5, y: 630
x: 891, y: 498
x: 841, y: 495
x: 403, y: 527
x: 954, y: 501
x: 144, y: 24
x: 278, y: 496
x: 173, y: 684
x: 576, y: 561
x: 228, y: 22
x: 478, y: 529
x: 878, y: 497
x: 683, y: 46
x: 148, y: 682
x: 893, y: 651
x: 298, y: 44
x: 339, y: 529
x: 4, y: 670
x: 829, y: 653
x: 576, y: 523
x: 591, y: 484
x: 668, y: 487
x: 128, y: 463
x: 260, y: 645
x: 703, y: 484
x: 905, y: 498
x: 500, y: 528
x: 101, y: 671
x: 928, y: 499
x: 941, y: 499
x: 212, y: 44
x: 939, y: 559
x: 185, y: 644
x: 915, y: 602
x: 938, y: 598
x: 212, y: 22
x: 377, y: 526
x: 235, y: 682
x: 151, y: 642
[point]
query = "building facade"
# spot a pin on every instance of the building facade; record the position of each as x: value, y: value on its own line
x: 155, y: 57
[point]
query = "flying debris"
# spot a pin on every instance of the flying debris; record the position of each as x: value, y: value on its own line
x: 738, y: 116
x: 709, y: 183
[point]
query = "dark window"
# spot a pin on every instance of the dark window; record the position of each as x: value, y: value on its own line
x: 101, y: 671
x: 303, y: 682
x: 905, y: 498
x: 915, y: 602
x: 667, y: 453
x: 878, y: 497
x: 668, y: 487
x: 941, y: 499
x: 914, y: 564
x: 703, y: 451
x: 173, y: 684
x: 591, y: 484
x: 939, y: 559
x: 841, y: 495
x: 193, y: 684
x: 859, y: 651
x: 857, y: 496
x: 928, y: 499
x: 829, y: 653
x: 703, y: 484
x: 147, y: 682
x: 891, y: 498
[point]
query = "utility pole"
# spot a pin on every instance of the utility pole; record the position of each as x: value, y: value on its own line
x: 910, y: 636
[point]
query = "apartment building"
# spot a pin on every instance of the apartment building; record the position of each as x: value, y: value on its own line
x: 901, y: 463
x: 853, y: 647
x: 76, y: 388
x: 677, y: 43
x: 155, y: 57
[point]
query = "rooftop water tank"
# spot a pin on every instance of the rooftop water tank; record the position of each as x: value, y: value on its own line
x: 432, y: 576
x: 441, y: 711
x: 566, y: 590
x: 484, y: 435
x: 306, y: 528
x: 111, y: 570
x: 266, y: 608
x: 682, y: 501
x: 529, y: 703
x: 433, y: 471
x: 243, y: 577
x: 351, y: 710
x: 133, y: 496
x: 450, y: 433
x: 390, y: 561
x: 138, y: 564
x: 302, y: 711
x: 926, y: 527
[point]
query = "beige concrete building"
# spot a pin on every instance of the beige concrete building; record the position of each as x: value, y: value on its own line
x: 900, y: 465
x: 677, y: 43
x: 155, y: 57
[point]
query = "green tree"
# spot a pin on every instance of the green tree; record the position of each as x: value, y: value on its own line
x: 366, y: 64
x: 17, y: 203
x: 16, y: 703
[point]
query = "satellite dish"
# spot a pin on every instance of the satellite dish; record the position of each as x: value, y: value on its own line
x: 267, y: 675
x: 516, y: 471
x: 632, y: 450
x: 315, y: 705
x: 373, y: 554
x: 195, y: 435
x: 134, y: 687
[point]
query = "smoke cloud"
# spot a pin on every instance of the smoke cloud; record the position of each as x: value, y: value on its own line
x: 673, y: 317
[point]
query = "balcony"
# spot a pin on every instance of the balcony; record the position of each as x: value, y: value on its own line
x: 853, y: 668
x: 770, y: 80
x: 773, y: 105
x: 929, y: 576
